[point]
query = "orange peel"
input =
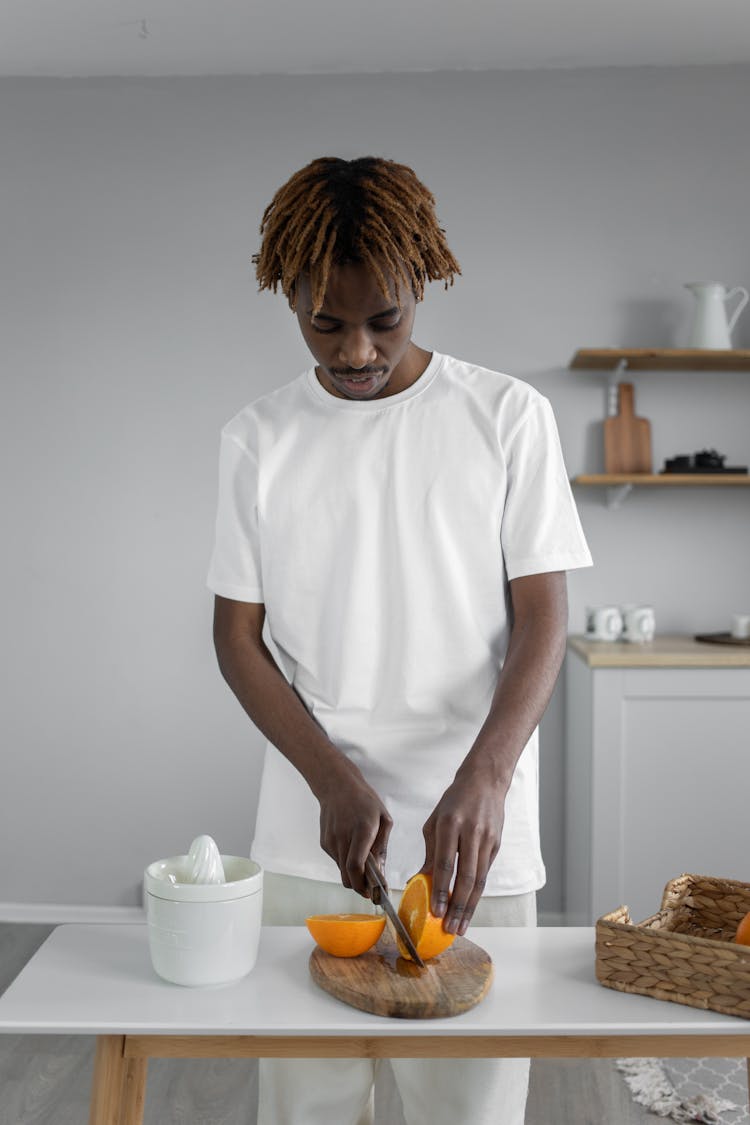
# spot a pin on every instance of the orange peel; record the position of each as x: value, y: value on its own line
x: 743, y: 930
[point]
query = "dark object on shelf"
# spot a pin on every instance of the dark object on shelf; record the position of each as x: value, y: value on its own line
x: 706, y: 461
x: 709, y: 459
x: 680, y: 464
x: 723, y: 639
x: 695, y: 471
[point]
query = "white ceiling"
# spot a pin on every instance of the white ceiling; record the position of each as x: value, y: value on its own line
x: 65, y: 38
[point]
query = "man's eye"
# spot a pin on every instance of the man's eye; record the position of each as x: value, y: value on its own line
x: 383, y: 327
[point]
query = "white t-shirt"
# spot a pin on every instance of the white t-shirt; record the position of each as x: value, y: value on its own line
x: 381, y: 536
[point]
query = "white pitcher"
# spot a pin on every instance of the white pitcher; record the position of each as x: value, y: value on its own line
x: 711, y: 329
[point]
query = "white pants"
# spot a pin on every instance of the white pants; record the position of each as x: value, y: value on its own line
x: 432, y: 1091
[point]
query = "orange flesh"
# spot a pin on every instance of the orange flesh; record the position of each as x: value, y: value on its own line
x: 425, y: 928
x: 345, y: 935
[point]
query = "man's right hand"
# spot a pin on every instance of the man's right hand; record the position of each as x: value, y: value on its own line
x: 353, y: 822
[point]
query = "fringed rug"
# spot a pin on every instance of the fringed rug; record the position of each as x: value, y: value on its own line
x: 711, y: 1091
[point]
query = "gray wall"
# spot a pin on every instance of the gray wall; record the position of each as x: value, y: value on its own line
x: 577, y: 203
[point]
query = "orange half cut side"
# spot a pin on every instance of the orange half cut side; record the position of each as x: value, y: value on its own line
x: 425, y: 928
x: 345, y: 935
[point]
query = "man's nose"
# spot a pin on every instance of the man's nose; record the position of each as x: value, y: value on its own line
x: 358, y: 349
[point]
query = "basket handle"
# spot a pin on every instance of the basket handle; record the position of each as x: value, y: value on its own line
x: 620, y: 915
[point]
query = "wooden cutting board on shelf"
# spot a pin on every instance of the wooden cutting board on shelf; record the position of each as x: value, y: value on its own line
x: 384, y: 983
x: 627, y: 439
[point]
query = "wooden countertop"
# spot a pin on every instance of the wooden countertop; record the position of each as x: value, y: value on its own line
x: 679, y: 651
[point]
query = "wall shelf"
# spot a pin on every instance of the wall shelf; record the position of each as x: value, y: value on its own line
x: 662, y: 359
x: 614, y: 362
x: 619, y: 485
x: 668, y: 480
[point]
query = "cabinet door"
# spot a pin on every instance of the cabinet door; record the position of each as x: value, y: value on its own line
x: 685, y: 762
x: 676, y: 788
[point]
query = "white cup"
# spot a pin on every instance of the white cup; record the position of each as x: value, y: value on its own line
x: 603, y: 623
x: 741, y: 626
x: 639, y: 623
x: 203, y: 934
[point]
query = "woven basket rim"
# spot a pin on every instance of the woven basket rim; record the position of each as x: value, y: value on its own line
x: 646, y: 927
x: 717, y: 880
x: 741, y: 951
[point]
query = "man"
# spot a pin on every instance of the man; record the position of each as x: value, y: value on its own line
x: 401, y: 524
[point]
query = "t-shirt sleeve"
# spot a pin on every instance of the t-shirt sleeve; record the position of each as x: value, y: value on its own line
x: 541, y: 530
x: 235, y: 567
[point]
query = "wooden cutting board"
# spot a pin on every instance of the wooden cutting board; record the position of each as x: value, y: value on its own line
x: 384, y: 983
x: 627, y: 439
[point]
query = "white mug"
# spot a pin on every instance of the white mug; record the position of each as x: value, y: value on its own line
x: 639, y: 623
x: 741, y: 626
x: 603, y: 623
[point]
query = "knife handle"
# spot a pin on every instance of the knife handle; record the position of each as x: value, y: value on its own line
x: 376, y: 878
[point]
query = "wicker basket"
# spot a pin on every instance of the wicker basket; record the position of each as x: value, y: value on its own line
x: 686, y: 952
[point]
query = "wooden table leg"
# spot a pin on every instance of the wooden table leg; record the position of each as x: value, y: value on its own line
x: 134, y: 1092
x: 107, y: 1084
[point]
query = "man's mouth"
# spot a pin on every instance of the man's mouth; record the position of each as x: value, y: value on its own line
x: 363, y: 383
x: 357, y: 384
x: 362, y: 377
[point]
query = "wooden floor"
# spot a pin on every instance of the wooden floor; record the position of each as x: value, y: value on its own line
x: 45, y: 1079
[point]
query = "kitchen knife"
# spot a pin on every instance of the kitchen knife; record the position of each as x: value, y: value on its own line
x: 380, y: 898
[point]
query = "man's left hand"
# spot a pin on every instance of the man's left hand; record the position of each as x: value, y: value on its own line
x: 465, y: 829
x: 466, y: 825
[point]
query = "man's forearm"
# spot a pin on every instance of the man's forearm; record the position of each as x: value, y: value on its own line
x: 524, y: 688
x: 353, y: 819
x: 278, y: 712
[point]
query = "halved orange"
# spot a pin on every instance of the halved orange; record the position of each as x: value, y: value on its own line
x: 743, y: 930
x: 425, y: 928
x: 345, y: 935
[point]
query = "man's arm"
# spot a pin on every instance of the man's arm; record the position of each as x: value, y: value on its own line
x: 467, y: 822
x: 353, y: 819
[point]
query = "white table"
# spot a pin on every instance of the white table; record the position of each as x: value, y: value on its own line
x: 544, y: 1002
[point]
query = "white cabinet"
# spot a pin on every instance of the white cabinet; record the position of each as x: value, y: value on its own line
x: 657, y: 770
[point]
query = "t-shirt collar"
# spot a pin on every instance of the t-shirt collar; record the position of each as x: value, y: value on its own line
x: 374, y: 404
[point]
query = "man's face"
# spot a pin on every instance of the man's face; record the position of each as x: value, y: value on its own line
x: 360, y: 341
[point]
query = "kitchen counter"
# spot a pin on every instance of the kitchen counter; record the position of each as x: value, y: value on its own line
x: 669, y: 651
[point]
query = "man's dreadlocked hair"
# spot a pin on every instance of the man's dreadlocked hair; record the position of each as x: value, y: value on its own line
x: 370, y: 210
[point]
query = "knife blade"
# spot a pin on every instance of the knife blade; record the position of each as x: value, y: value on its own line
x: 379, y: 887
